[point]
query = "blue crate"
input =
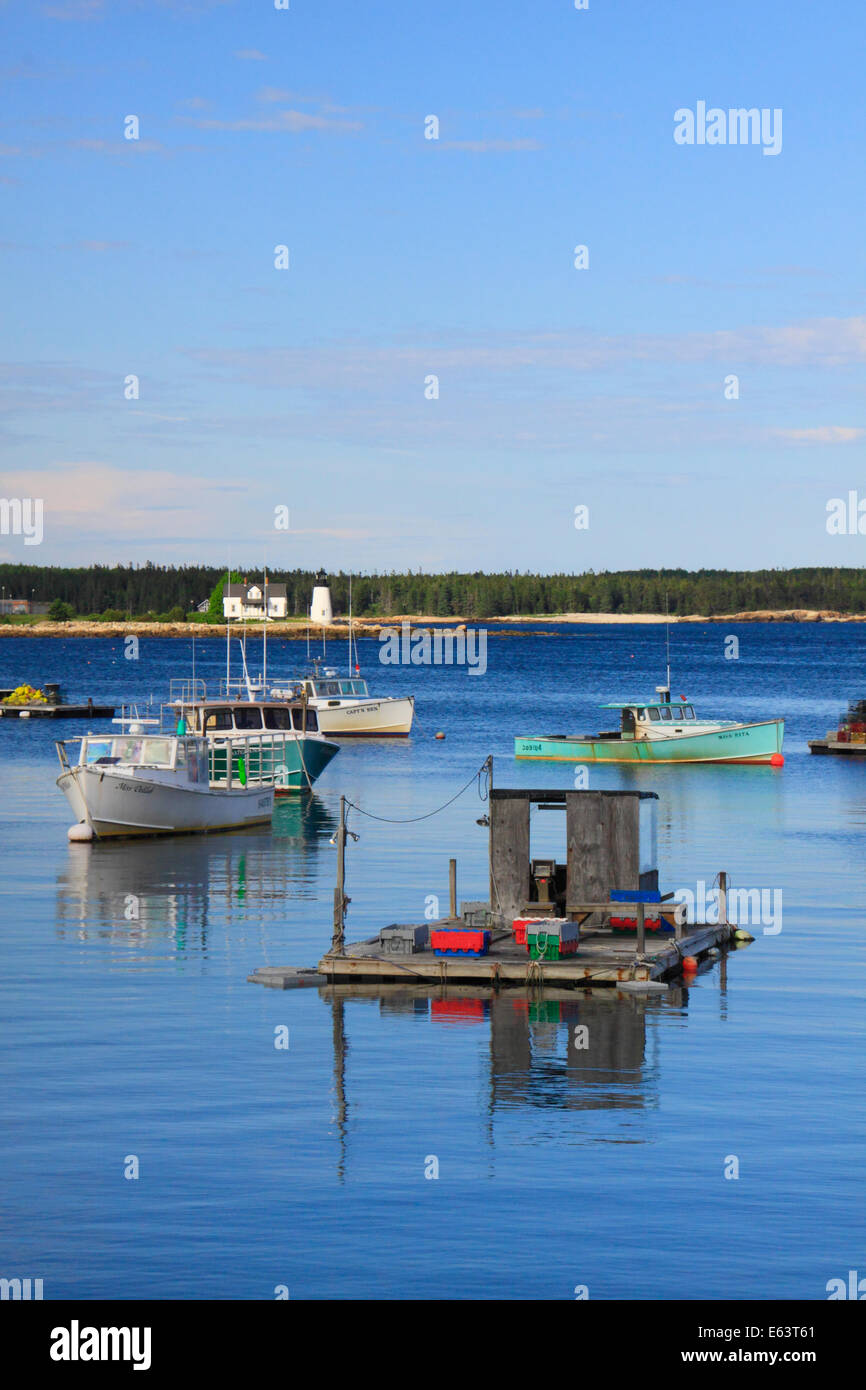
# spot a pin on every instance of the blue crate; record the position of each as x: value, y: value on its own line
x: 635, y: 895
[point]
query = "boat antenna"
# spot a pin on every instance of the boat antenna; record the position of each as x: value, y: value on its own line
x: 668, y: 642
x: 265, y: 638
x: 350, y: 624
x: 247, y: 681
x: 228, y: 638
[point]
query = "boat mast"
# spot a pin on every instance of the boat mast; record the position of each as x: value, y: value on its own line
x: 228, y: 638
x: 247, y: 681
x: 350, y: 625
x: 668, y: 642
x: 265, y: 638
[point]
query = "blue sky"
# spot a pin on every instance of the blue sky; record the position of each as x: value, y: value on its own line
x: 305, y: 388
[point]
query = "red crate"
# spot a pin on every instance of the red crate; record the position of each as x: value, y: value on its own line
x: 520, y: 924
x: 630, y: 923
x: 465, y: 941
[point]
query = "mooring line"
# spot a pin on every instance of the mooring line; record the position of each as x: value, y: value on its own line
x: 410, y: 820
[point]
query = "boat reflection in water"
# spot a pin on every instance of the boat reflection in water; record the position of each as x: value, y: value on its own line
x: 174, y: 890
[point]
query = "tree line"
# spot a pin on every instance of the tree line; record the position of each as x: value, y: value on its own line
x: 159, y: 590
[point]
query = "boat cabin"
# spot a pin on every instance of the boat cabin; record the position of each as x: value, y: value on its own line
x: 336, y: 691
x: 249, y: 717
x: 645, y: 718
x: 148, y: 751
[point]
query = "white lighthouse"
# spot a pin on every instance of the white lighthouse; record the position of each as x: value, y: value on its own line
x: 320, y: 609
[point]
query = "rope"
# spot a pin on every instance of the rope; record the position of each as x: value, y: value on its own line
x: 303, y: 764
x: 410, y: 820
x: 535, y: 972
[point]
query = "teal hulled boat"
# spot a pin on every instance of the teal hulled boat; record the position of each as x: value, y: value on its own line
x: 662, y: 731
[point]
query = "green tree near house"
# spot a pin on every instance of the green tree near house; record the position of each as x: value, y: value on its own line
x: 215, y: 607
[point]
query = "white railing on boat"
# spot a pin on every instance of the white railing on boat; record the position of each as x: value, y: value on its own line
x: 258, y: 760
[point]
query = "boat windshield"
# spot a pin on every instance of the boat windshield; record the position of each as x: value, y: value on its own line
x: 130, y: 749
x: 248, y: 717
x: 278, y: 718
x: 323, y: 689
x: 94, y: 749
x: 218, y: 719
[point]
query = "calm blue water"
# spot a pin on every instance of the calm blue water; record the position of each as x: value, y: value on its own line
x: 305, y: 1167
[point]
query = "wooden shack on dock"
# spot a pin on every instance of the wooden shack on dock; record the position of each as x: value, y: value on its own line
x: 610, y: 841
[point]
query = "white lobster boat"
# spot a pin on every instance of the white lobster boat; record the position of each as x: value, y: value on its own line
x: 139, y: 783
x: 344, y: 707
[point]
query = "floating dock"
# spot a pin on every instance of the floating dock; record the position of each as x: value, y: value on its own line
x: 48, y: 711
x: 831, y: 744
x: 603, y: 958
x: 616, y: 928
x: 849, y: 736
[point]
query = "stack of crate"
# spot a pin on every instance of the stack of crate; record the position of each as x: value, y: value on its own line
x: 638, y: 895
x: 552, y: 938
x: 458, y: 939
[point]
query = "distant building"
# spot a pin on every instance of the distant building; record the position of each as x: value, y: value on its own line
x: 22, y: 605
x: 204, y: 606
x: 248, y: 601
x: 321, y: 608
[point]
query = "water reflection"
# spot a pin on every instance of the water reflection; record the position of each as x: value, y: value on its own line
x: 173, y: 888
x: 547, y: 1048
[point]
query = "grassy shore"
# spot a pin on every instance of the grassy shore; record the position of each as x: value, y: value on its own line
x: 297, y: 628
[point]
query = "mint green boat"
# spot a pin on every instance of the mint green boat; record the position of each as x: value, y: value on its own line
x: 662, y: 731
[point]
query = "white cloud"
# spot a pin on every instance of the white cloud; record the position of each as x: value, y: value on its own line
x: 822, y: 434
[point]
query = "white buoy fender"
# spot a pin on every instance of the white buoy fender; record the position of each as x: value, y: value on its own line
x: 25, y: 714
x: 81, y: 833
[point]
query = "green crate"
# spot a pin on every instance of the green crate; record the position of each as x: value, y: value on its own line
x: 548, y: 950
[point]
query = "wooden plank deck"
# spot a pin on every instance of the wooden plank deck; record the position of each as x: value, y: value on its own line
x: 88, y: 711
x: 831, y: 745
x: 603, y: 958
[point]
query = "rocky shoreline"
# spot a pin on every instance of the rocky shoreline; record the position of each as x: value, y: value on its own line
x: 372, y: 627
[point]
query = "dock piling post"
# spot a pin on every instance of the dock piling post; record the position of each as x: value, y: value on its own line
x: 337, y: 941
x: 723, y: 898
x: 641, y: 930
x: 452, y: 887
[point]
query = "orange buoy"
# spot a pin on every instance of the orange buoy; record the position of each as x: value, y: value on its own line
x: 777, y: 760
x: 440, y: 735
x: 690, y: 965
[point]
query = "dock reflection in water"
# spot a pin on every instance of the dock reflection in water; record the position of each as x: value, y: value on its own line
x: 172, y: 889
x: 547, y: 1048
